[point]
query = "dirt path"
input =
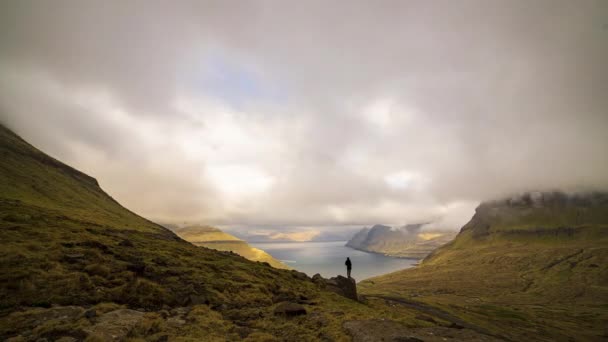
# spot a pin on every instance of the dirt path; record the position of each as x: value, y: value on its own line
x: 434, y: 311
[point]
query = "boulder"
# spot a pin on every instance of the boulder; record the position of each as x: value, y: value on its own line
x: 299, y: 275
x: 317, y: 279
x: 289, y: 309
x: 346, y: 287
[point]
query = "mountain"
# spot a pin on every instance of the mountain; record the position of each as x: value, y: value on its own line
x: 75, y: 265
x: 215, y: 238
x: 527, y: 267
x: 282, y: 234
x: 409, y: 241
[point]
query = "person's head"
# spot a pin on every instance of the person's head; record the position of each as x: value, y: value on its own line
x: 347, y: 258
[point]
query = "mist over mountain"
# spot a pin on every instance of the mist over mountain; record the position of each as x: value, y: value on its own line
x: 293, y: 234
x: 409, y: 241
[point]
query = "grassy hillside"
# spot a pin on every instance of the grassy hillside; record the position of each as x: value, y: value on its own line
x: 529, y: 267
x: 76, y: 265
x: 214, y: 238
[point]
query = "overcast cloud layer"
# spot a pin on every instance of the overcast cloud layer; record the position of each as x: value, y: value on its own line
x: 312, y: 114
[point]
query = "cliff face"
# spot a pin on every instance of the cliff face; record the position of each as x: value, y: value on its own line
x: 407, y: 242
x: 538, y: 216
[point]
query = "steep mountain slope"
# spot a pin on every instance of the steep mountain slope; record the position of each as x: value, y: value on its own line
x: 76, y: 265
x: 405, y: 242
x: 530, y: 267
x: 214, y: 238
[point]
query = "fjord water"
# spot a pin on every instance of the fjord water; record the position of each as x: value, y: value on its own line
x: 327, y: 258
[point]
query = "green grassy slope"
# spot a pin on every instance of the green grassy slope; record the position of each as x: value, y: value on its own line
x: 66, y: 241
x: 530, y: 268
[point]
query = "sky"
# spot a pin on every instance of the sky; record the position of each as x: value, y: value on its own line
x: 312, y: 117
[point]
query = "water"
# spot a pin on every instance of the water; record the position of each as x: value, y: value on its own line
x: 327, y: 258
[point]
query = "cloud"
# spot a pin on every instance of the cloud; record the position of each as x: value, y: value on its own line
x: 312, y: 114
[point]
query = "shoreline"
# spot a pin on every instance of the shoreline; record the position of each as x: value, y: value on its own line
x: 388, y: 255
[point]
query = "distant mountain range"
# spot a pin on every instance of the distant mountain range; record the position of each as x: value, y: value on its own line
x: 214, y: 238
x: 292, y: 235
x: 410, y: 241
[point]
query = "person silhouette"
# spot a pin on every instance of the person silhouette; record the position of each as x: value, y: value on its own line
x: 349, y: 266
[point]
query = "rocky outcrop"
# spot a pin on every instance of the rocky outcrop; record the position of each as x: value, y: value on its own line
x: 409, y: 241
x: 346, y: 287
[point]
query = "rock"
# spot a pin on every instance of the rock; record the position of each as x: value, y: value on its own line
x: 299, y: 275
x: 176, y: 321
x: 455, y: 326
x: 182, y: 311
x: 289, y: 309
x: 319, y: 319
x: 164, y: 313
x: 317, y: 279
x: 346, y: 287
x: 115, y: 325
x: 73, y: 257
x: 90, y: 314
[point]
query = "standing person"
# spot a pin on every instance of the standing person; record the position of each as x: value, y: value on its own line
x: 349, y: 266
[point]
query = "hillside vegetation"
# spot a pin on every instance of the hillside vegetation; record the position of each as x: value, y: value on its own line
x: 531, y: 267
x: 75, y: 265
x: 214, y: 238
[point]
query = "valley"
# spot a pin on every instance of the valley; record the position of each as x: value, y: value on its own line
x: 76, y: 265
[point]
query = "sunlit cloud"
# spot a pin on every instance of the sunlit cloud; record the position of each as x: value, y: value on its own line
x: 403, y: 180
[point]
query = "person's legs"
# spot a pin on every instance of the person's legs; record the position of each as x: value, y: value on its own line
x: 348, y: 272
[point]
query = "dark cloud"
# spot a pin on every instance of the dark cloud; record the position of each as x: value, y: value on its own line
x: 312, y: 113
